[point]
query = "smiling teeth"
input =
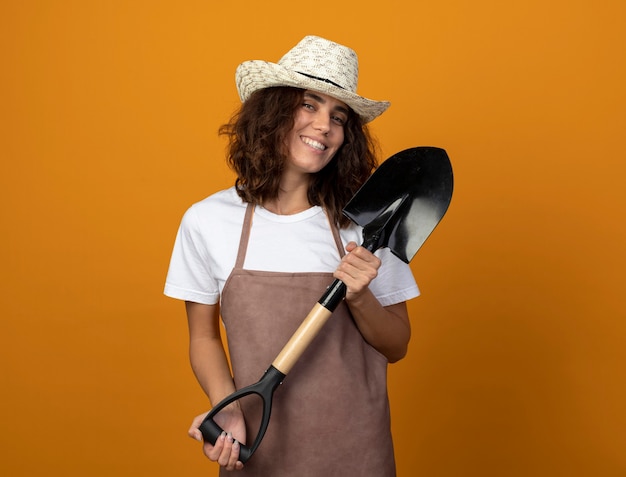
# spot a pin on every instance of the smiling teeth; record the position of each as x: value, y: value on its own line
x: 312, y: 143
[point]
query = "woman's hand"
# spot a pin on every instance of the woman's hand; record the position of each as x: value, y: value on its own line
x: 357, y: 269
x: 387, y: 328
x: 226, y: 449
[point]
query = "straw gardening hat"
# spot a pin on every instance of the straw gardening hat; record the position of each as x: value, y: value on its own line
x: 315, y: 64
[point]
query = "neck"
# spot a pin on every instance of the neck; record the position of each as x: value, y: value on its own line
x: 292, y: 199
x: 287, y: 206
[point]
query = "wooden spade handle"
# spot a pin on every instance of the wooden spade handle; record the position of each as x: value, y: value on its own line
x: 301, y: 339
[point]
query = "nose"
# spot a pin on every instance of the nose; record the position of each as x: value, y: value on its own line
x: 321, y: 122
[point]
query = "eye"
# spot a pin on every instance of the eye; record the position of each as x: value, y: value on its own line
x: 338, y: 119
x: 308, y: 106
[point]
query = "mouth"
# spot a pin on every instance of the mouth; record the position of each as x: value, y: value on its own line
x: 314, y: 144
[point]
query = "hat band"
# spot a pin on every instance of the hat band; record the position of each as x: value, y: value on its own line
x: 321, y: 79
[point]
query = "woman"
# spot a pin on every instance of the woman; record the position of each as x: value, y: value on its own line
x: 261, y: 253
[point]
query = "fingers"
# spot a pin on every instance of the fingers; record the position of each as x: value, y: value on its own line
x: 358, y: 255
x: 230, y: 453
x: 357, y: 268
x: 194, y: 431
x: 226, y: 449
x: 234, y: 463
x: 225, y: 452
x: 351, y: 246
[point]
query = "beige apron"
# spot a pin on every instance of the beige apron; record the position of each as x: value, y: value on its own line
x: 330, y: 417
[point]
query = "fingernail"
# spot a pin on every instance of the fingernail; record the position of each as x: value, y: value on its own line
x: 223, y: 435
x: 235, y: 444
x: 229, y: 436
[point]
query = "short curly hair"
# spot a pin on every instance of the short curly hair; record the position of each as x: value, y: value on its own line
x: 257, y: 152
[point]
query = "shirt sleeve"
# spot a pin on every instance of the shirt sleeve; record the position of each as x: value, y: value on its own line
x: 395, y: 282
x: 189, y: 277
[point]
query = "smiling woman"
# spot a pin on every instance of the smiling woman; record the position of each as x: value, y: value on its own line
x: 259, y: 158
x: 268, y: 247
x: 109, y: 110
x: 315, y: 138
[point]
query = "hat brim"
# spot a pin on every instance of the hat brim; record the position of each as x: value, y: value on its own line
x: 258, y: 74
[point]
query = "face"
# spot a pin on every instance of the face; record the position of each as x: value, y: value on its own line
x: 317, y: 134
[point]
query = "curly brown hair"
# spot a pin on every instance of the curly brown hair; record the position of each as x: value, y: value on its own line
x: 257, y: 152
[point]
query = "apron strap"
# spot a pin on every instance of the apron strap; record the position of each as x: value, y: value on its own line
x: 337, y: 237
x: 245, y: 236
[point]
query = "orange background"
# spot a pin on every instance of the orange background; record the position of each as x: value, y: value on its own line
x: 109, y: 116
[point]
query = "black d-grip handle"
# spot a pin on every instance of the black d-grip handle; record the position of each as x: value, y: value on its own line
x: 265, y: 390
